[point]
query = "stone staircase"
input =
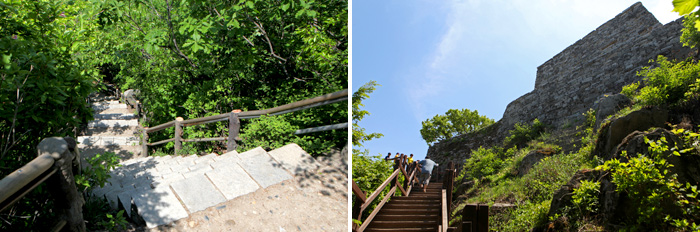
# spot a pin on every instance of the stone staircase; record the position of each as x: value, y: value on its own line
x: 114, y: 130
x: 418, y: 212
x: 160, y: 190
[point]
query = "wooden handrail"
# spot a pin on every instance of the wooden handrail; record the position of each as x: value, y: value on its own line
x: 378, y: 191
x: 21, y: 177
x: 234, y: 124
x: 55, y: 163
x: 444, y: 210
x: 362, y: 202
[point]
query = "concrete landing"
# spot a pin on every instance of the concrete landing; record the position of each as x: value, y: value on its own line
x: 160, y: 189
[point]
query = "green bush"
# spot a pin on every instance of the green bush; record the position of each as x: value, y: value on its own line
x: 585, y: 197
x: 96, y: 211
x: 645, y: 178
x: 526, y: 215
x: 97, y: 172
x: 523, y: 133
x: 667, y: 83
x: 484, y: 162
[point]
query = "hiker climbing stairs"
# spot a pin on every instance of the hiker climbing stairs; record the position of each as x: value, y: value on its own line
x: 420, y: 211
x: 160, y: 190
x: 113, y: 130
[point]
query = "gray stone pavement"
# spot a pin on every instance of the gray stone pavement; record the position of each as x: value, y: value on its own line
x: 160, y: 190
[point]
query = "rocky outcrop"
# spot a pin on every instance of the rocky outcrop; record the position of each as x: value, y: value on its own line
x: 616, y: 207
x: 609, y: 105
x: 530, y: 160
x: 613, y: 133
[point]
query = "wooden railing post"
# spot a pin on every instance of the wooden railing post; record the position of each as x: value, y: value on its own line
x: 68, y: 201
x: 234, y: 127
x: 178, y: 134
x: 360, y: 199
x: 449, y: 183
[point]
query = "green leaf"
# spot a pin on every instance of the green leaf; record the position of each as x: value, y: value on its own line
x: 684, y: 7
x: 285, y: 7
x: 250, y: 4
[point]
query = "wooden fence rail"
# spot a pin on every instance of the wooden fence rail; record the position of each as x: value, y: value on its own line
x: 234, y: 118
x: 400, y: 168
x: 57, y: 160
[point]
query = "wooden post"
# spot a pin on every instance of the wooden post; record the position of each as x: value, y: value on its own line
x: 483, y: 218
x: 449, y: 183
x: 144, y: 142
x: 469, y: 214
x: 68, y: 201
x: 178, y: 134
x: 234, y: 126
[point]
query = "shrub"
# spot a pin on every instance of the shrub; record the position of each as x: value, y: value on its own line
x: 98, y: 215
x: 585, y: 197
x: 649, y: 185
x: 668, y: 83
x: 523, y: 133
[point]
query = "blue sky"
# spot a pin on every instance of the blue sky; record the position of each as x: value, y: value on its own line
x: 431, y: 56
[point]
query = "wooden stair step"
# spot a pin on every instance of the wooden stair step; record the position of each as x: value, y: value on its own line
x: 432, y: 229
x: 409, y: 211
x: 403, y: 224
x: 410, y: 206
x: 406, y: 217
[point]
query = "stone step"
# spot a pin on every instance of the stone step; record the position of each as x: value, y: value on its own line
x: 161, y: 188
x: 112, y: 131
x: 99, y: 108
x: 115, y: 111
x: 113, y: 123
x: 123, y: 152
x: 115, y: 116
x: 108, y: 140
x: 104, y: 103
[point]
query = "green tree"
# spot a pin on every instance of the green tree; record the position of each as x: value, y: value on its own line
x: 359, y: 135
x: 200, y: 58
x: 454, y: 122
x: 48, y: 69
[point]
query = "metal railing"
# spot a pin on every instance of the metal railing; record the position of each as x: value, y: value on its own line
x: 234, y: 118
x: 58, y: 159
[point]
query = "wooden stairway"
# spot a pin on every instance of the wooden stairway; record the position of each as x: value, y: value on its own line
x: 417, y: 212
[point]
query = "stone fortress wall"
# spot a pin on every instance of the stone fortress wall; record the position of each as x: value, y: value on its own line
x: 600, y: 63
x: 569, y: 83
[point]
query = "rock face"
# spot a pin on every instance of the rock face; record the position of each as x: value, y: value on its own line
x: 616, y: 207
x: 569, y: 83
x: 530, y: 160
x: 609, y: 105
x: 613, y: 133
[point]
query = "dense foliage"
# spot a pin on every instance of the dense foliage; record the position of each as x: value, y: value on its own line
x: 523, y: 133
x: 48, y: 69
x: 201, y: 58
x: 454, y: 122
x: 359, y: 135
x: 648, y: 182
x: 667, y: 83
x: 189, y: 58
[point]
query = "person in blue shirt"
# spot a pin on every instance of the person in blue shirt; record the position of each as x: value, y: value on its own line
x: 426, y: 169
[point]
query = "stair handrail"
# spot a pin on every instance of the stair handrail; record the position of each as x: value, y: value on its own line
x: 57, y: 160
x: 444, y: 222
x: 447, y: 187
x: 362, y: 201
x: 234, y: 118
